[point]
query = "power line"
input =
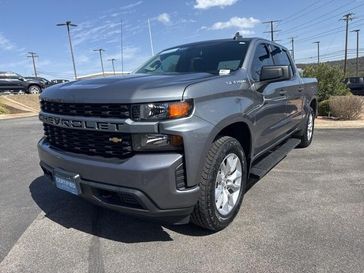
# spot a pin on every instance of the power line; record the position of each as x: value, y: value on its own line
x: 286, y: 20
x: 328, y: 16
x: 272, y: 30
x: 328, y: 33
x: 33, y: 55
x: 347, y: 18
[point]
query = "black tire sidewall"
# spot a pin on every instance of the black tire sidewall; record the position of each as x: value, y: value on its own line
x: 31, y: 86
x: 231, y: 146
x: 305, y: 142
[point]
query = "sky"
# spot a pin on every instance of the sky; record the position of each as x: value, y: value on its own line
x: 30, y: 25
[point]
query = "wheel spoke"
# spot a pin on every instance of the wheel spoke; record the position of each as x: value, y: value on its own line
x: 231, y: 200
x: 220, y: 199
x: 228, y: 184
x: 225, y: 204
x: 233, y: 177
x: 233, y: 187
x: 231, y: 163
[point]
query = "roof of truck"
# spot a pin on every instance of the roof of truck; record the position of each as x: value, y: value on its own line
x: 210, y: 42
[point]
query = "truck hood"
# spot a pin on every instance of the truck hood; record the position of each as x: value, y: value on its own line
x: 135, y: 88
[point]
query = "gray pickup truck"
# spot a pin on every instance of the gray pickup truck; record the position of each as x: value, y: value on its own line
x: 181, y: 138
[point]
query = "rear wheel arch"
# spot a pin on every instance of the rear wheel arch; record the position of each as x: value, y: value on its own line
x: 314, y: 106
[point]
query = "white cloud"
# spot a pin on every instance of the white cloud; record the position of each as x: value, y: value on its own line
x: 130, y: 6
x: 164, y: 18
x: 206, y: 4
x: 236, y: 22
x: 5, y: 44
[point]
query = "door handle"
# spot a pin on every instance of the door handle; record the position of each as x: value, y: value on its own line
x: 282, y: 92
x: 300, y: 89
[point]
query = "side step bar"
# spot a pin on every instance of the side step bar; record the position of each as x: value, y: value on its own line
x: 263, y: 166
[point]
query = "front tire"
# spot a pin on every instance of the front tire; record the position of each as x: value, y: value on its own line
x: 222, y: 186
x: 307, y: 133
x: 34, y: 89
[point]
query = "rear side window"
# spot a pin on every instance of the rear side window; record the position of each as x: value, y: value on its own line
x: 280, y: 57
x: 262, y: 57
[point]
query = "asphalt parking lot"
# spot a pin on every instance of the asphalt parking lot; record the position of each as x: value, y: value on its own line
x: 306, y: 215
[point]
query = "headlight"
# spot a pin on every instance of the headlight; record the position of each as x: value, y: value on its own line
x: 156, y: 142
x: 161, y: 111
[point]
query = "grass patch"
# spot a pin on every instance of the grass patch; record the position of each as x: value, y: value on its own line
x: 31, y: 101
x: 3, y: 109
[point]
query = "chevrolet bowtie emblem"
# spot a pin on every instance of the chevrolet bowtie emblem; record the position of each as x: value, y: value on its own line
x: 115, y: 139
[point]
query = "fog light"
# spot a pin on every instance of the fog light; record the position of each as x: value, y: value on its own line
x: 156, y: 142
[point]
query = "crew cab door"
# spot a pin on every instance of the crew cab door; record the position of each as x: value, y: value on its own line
x: 271, y: 115
x: 293, y: 88
x: 11, y: 81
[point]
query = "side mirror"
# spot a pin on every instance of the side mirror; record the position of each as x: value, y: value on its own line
x: 275, y: 73
x: 21, y: 79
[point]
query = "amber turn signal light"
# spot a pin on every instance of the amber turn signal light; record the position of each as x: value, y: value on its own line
x: 179, y: 109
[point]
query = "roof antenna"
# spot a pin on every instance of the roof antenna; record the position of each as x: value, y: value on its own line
x: 238, y: 37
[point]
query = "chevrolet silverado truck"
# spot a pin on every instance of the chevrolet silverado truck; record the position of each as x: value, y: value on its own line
x: 179, y: 138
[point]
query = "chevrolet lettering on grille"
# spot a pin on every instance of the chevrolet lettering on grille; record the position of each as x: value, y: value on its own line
x: 83, y: 124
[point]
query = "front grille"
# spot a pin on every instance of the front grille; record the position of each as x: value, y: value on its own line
x: 109, y: 110
x: 89, y: 142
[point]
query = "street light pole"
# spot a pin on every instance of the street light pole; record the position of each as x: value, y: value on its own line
x: 69, y: 24
x: 318, y: 51
x: 357, y: 51
x: 150, y: 37
x: 33, y: 55
x: 113, y: 64
x: 100, y: 50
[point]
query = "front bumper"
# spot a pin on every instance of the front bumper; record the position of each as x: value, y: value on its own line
x: 143, y: 185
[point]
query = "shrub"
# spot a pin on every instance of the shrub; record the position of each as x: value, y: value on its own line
x: 346, y: 107
x: 330, y: 80
x: 324, y: 108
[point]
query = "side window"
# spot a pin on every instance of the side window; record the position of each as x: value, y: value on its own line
x: 280, y: 57
x: 262, y: 57
x: 169, y: 63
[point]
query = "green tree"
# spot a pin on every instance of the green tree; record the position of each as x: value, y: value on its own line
x: 330, y: 78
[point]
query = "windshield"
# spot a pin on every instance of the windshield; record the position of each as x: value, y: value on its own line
x: 209, y: 58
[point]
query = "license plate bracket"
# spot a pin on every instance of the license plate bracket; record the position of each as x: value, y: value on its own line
x: 67, y: 181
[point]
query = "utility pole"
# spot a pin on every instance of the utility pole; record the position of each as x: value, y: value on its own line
x: 292, y: 47
x: 33, y: 55
x: 121, y: 47
x: 272, y: 30
x: 100, y: 50
x: 357, y: 51
x: 150, y: 37
x: 347, y: 17
x: 69, y: 24
x: 113, y: 64
x: 318, y: 51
